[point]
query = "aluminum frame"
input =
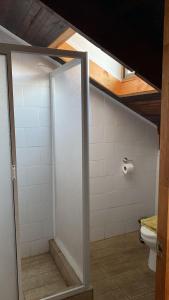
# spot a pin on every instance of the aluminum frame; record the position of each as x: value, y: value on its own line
x: 7, y: 49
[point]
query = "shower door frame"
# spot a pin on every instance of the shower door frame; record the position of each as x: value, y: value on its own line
x: 7, y: 50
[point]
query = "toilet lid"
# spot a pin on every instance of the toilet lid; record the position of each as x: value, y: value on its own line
x: 148, y: 233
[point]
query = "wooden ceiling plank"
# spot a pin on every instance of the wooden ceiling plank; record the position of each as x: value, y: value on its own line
x: 134, y: 85
x: 62, y: 38
x: 144, y: 97
x: 148, y: 108
x: 22, y: 19
x: 29, y: 16
x: 37, y: 22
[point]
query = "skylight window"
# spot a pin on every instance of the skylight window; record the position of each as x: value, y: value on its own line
x: 104, y: 71
x: 96, y: 55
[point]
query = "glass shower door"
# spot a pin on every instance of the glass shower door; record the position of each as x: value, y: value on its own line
x: 28, y: 117
x: 8, y: 263
x: 68, y: 151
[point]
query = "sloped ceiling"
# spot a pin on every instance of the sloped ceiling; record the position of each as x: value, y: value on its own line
x: 31, y: 21
x: 130, y: 30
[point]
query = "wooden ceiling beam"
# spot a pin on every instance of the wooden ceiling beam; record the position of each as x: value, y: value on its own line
x: 143, y: 97
x: 133, y: 86
x: 146, y: 107
x: 62, y: 38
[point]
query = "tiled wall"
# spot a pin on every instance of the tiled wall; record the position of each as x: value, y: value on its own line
x: 118, y: 201
x: 33, y: 142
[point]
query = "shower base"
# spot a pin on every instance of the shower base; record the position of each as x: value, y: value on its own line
x: 41, y: 277
x: 48, y: 274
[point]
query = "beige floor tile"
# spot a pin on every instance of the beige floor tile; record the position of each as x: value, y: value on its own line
x: 118, y: 270
x: 144, y: 297
x: 119, y: 265
x: 102, y: 286
x: 116, y: 294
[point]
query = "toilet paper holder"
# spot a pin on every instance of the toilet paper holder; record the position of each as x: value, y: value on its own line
x: 126, y: 160
x: 127, y: 166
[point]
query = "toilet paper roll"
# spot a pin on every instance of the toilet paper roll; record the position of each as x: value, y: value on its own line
x: 127, y: 168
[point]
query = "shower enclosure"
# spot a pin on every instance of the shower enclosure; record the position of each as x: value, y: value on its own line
x: 44, y: 209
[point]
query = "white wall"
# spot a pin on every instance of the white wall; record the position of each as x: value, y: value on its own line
x: 68, y: 165
x: 118, y: 201
x: 33, y: 147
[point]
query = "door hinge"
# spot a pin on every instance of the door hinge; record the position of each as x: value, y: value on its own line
x: 13, y: 171
x: 159, y: 248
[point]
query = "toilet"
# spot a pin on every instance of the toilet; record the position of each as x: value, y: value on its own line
x: 150, y: 239
x: 148, y: 230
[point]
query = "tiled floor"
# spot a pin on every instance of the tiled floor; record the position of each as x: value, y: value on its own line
x: 119, y: 269
x: 119, y: 272
x: 40, y: 277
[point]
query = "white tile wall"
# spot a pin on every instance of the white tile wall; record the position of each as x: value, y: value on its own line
x: 118, y: 201
x: 33, y: 142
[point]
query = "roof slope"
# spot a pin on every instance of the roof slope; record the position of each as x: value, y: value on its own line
x: 130, y: 30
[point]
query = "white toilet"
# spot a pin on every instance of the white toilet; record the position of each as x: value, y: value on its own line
x: 150, y: 239
x: 148, y: 236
